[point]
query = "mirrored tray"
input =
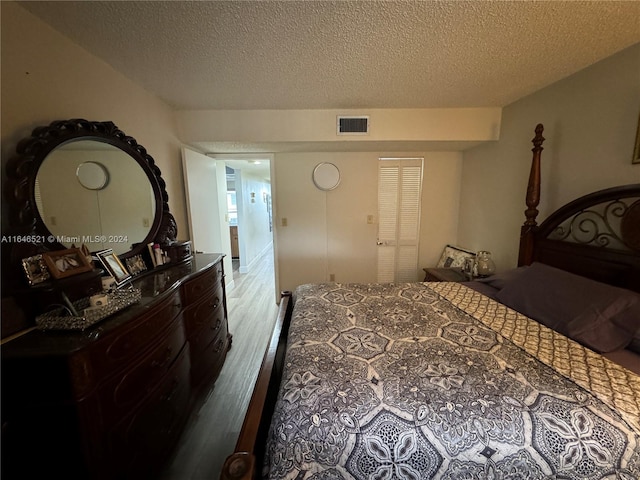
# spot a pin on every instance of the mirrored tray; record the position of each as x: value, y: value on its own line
x: 60, y: 319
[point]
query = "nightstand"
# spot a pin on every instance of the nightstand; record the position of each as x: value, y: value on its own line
x: 444, y: 275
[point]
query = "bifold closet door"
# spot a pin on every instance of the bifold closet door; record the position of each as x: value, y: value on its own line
x: 399, y: 194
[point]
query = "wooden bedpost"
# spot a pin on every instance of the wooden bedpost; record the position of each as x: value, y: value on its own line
x: 525, y: 257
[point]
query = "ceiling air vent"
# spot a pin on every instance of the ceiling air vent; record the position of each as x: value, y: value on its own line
x: 353, y: 125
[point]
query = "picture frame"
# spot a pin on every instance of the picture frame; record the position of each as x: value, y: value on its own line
x: 136, y: 265
x: 469, y: 267
x: 114, y: 266
x: 65, y: 263
x: 35, y: 269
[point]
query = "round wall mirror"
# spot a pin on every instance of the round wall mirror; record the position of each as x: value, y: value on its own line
x: 83, y: 182
x: 92, y: 175
x: 326, y: 176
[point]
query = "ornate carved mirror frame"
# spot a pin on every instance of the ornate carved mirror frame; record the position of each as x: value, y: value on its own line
x: 25, y: 219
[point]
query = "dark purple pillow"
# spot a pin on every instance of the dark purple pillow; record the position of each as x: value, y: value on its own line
x: 500, y: 280
x: 597, y: 315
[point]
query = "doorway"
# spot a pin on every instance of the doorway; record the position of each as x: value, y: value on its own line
x: 248, y: 197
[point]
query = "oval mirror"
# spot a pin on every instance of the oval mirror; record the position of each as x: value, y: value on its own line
x: 111, y: 206
x: 123, y: 204
x: 326, y: 176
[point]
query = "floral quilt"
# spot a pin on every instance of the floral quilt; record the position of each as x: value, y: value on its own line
x: 395, y: 381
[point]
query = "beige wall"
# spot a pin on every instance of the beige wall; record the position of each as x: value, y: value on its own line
x: 402, y: 124
x: 590, y: 121
x: 327, y: 232
x: 46, y: 77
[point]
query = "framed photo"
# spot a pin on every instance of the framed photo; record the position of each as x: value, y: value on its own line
x: 136, y: 265
x: 35, y: 269
x: 65, y: 263
x: 114, y: 266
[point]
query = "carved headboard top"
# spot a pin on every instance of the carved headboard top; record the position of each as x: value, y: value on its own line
x: 608, y: 218
x: 596, y: 236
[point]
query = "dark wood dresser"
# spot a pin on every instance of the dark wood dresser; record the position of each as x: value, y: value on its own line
x: 111, y: 402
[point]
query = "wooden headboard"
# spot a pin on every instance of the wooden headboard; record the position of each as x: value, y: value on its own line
x: 596, y: 236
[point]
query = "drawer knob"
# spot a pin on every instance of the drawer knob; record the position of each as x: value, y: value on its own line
x: 218, y: 346
x: 165, y: 360
x: 172, y: 391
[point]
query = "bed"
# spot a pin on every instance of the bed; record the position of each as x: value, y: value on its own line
x: 527, y: 374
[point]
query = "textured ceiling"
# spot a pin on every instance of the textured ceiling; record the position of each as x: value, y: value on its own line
x: 346, y: 54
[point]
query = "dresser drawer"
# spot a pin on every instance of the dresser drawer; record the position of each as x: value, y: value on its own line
x: 118, y: 350
x: 204, y: 283
x: 207, y: 359
x: 204, y: 314
x: 203, y: 337
x: 125, y: 391
x: 142, y: 441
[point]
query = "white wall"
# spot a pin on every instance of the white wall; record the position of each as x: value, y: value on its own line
x: 253, y: 225
x: 206, y: 191
x: 590, y: 121
x: 327, y: 232
x: 47, y: 77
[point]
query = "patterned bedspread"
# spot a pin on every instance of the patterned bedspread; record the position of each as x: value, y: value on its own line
x: 435, y: 381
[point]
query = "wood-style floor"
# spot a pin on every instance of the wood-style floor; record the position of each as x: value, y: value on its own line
x: 212, y: 433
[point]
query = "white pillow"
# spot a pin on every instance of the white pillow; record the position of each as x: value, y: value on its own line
x: 454, y: 257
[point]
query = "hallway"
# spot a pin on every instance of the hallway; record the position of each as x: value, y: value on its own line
x: 211, y: 434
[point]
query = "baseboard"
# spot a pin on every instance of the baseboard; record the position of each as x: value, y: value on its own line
x: 265, y: 250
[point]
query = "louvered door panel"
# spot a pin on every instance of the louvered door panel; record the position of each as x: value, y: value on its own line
x: 399, y: 193
x: 387, y: 204
x: 410, y: 204
x: 386, y: 263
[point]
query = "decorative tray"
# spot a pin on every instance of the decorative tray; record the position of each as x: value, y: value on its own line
x: 62, y: 319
